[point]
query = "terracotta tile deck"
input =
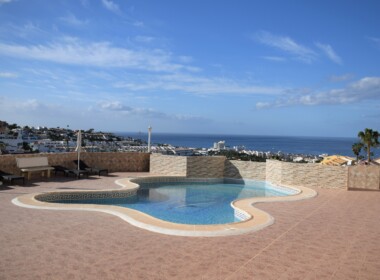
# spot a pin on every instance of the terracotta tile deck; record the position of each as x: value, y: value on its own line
x: 333, y: 236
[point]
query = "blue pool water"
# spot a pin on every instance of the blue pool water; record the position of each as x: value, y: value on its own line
x: 190, y: 203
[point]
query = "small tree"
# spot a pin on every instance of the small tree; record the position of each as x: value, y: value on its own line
x: 2, y: 147
x: 369, y: 138
x: 13, y: 126
x: 357, y: 148
x: 26, y: 147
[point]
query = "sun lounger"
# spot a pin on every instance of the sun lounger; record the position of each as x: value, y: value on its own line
x: 92, y: 170
x: 66, y: 172
x: 78, y: 173
x: 60, y: 169
x: 10, y: 177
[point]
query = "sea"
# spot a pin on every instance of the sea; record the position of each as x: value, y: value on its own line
x: 286, y: 144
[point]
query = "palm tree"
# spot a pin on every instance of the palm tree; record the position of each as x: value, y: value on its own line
x: 357, y: 148
x: 369, y: 138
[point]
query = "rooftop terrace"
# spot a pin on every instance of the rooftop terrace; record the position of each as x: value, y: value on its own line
x: 332, y: 236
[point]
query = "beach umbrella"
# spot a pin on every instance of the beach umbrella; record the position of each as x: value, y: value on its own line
x: 79, y: 146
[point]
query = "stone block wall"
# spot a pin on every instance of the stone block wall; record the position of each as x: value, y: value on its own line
x: 273, y: 171
x: 168, y: 165
x: 205, y: 167
x: 193, y: 167
x: 119, y: 162
x: 364, y: 177
x: 8, y: 162
x: 308, y: 175
x: 115, y: 162
x: 245, y: 169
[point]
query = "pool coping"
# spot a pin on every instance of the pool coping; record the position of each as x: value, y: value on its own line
x: 257, y: 218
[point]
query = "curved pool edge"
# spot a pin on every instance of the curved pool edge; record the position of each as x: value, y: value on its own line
x: 258, y: 219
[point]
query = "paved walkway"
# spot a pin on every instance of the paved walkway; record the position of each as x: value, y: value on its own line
x: 333, y: 236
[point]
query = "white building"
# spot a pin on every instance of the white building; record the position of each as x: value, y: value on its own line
x: 221, y: 145
x: 184, y: 151
x: 12, y: 144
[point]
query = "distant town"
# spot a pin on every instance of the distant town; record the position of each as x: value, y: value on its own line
x: 17, y: 140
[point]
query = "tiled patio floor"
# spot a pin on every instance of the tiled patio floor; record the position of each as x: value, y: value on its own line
x: 333, y: 236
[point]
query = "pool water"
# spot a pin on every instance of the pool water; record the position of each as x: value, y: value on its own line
x: 191, y: 203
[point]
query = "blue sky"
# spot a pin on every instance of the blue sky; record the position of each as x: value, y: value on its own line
x: 302, y: 68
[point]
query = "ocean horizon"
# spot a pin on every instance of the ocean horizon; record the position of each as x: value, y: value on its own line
x: 306, y: 145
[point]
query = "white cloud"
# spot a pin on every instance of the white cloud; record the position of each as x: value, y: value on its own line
x: 367, y: 88
x: 70, y: 19
x: 84, y: 3
x: 329, y: 52
x: 294, y: 49
x: 287, y: 45
x: 190, y: 118
x: 5, y: 2
x: 29, y: 30
x: 144, y: 39
x: 110, y: 115
x: 375, y: 40
x: 28, y: 105
x: 138, y: 24
x: 117, y: 106
x: 99, y: 54
x: 275, y: 58
x: 341, y: 78
x: 185, y: 59
x: 72, y: 51
x: 262, y: 105
x: 197, y: 85
x: 114, y: 106
x: 111, y: 6
x: 8, y: 75
x: 36, y: 112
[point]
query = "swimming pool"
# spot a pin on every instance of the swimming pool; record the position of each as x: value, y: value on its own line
x: 251, y: 217
x: 192, y: 203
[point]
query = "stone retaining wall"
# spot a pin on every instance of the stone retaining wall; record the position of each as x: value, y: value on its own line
x: 168, y: 165
x: 115, y: 162
x: 245, y: 169
x: 119, y: 162
x: 277, y: 172
x: 192, y: 167
x: 364, y: 177
x: 308, y: 175
x: 205, y: 167
x: 287, y: 173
